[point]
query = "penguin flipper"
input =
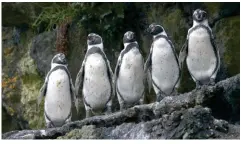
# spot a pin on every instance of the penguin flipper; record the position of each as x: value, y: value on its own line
x: 183, y: 54
x: 79, y: 79
x: 79, y: 85
x: 42, y: 93
x: 216, y: 50
x: 43, y: 90
x: 147, y: 69
x: 72, y: 90
x: 117, y: 69
x: 110, y: 77
x: 149, y: 80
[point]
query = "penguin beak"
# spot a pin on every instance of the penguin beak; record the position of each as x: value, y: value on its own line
x: 148, y: 30
x: 90, y: 37
x: 200, y: 15
x: 130, y: 36
x: 63, y: 59
x: 151, y: 29
x: 204, y: 15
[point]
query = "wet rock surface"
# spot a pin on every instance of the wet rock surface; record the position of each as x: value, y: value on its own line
x: 184, y: 116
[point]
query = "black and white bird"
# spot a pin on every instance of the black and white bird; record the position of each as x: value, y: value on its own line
x: 58, y: 90
x: 95, y: 78
x: 129, y: 76
x: 162, y: 64
x: 200, y: 51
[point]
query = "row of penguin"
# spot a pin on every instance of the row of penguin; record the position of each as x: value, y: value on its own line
x: 161, y: 70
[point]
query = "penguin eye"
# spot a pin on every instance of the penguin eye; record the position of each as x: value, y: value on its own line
x: 90, y: 38
x: 159, y: 30
x: 204, y: 15
x: 59, y: 58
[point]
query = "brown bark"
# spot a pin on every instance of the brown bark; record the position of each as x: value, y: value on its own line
x: 62, y: 38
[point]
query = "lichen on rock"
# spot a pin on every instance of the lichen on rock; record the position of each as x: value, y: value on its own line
x: 86, y: 132
x: 31, y: 84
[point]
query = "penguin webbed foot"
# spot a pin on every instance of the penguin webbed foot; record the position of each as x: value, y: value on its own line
x: 198, y: 85
x: 141, y: 101
x: 49, y: 125
x: 88, y: 113
x: 108, y: 110
x: 68, y: 120
x: 212, y: 82
x: 122, y: 106
x: 160, y: 96
x: 175, y: 92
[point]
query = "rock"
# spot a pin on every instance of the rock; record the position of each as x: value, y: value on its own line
x: 226, y: 34
x: 11, y: 80
x: 31, y: 84
x: 86, y: 132
x: 192, y: 123
x: 10, y: 120
x: 43, y: 50
x: 21, y: 83
x: 175, y: 117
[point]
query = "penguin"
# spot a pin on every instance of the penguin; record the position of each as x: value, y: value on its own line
x: 200, y: 51
x: 162, y: 64
x: 95, y: 78
x: 58, y: 90
x: 129, y: 76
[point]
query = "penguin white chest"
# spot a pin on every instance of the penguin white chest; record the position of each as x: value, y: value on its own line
x: 201, y: 59
x: 130, y: 80
x: 165, y: 70
x: 96, y: 87
x: 58, y: 96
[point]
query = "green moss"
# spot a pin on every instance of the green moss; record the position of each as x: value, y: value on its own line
x: 31, y: 84
x: 155, y: 12
x: 30, y: 90
x: 21, y: 80
x: 8, y: 51
x: 8, y: 123
x: 213, y: 8
x: 32, y: 79
x: 86, y: 132
x: 227, y: 31
x: 174, y: 24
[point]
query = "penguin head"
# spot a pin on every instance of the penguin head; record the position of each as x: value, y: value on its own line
x: 129, y: 37
x: 155, y: 29
x: 59, y: 59
x: 199, y: 15
x: 94, y: 39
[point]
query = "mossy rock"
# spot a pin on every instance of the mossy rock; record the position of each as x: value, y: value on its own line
x: 86, y: 132
x: 31, y: 84
x: 227, y: 32
x: 21, y: 82
x: 8, y: 122
x: 213, y: 9
x: 174, y: 23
